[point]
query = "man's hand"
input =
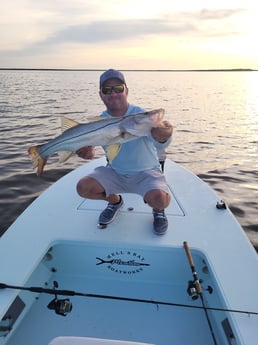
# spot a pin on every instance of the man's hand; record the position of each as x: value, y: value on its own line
x: 86, y: 152
x: 162, y: 133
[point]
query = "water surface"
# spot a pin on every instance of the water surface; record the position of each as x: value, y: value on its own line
x: 215, y: 116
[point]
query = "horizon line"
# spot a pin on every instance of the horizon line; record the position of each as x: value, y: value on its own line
x: 133, y: 70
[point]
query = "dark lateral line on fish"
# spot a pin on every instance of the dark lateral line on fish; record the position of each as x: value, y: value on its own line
x: 79, y: 135
x: 116, y: 298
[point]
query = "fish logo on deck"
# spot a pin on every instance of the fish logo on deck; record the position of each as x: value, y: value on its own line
x: 123, y: 262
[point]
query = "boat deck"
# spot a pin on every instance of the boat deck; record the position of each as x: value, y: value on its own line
x: 57, y: 239
x: 114, y: 320
x: 106, y: 318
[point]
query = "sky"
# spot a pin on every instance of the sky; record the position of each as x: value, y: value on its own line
x: 129, y: 34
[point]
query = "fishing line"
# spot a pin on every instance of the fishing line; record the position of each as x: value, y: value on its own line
x: 116, y: 298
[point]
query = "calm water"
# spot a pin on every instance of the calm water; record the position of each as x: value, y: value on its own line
x: 215, y: 115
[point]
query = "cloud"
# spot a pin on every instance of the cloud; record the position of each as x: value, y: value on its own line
x: 218, y: 14
x: 183, y: 23
x: 102, y: 32
x: 180, y: 24
x: 105, y: 31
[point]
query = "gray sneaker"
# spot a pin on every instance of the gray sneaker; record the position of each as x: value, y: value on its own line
x: 110, y: 212
x: 160, y: 223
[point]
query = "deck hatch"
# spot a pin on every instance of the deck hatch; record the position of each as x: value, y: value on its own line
x: 133, y: 204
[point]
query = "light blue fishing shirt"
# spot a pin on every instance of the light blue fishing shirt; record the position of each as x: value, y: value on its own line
x: 139, y: 154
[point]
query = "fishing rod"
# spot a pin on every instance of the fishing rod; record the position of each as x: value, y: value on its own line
x: 197, y: 285
x: 127, y: 299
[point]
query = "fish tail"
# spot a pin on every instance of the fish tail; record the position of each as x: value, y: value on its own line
x: 37, y: 161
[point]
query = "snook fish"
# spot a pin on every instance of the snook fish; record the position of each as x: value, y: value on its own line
x: 108, y: 132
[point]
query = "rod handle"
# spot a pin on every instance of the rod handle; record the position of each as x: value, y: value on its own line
x: 188, y: 254
x: 191, y: 263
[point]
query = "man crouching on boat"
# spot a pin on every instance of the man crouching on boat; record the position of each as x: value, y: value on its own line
x: 136, y: 168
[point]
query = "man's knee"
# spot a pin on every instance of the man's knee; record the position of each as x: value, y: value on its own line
x: 85, y: 186
x: 157, y: 199
x: 88, y: 186
x: 82, y: 186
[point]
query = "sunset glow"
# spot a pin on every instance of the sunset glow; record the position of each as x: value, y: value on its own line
x: 135, y: 34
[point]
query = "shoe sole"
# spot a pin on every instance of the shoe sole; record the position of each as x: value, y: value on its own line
x: 159, y: 233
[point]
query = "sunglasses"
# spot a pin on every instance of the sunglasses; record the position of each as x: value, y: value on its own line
x: 107, y: 90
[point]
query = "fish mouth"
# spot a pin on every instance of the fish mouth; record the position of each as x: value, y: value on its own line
x: 160, y: 113
x: 153, y: 116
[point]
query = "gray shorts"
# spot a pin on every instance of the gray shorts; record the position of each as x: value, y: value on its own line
x: 140, y: 183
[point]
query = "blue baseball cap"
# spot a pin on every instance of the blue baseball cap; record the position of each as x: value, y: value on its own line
x: 110, y: 74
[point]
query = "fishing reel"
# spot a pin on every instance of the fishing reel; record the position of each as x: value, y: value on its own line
x: 60, y: 306
x: 193, y: 292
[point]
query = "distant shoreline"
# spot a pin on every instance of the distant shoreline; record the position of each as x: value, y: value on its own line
x: 131, y: 70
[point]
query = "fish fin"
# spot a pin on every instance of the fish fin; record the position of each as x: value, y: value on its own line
x: 96, y: 118
x: 37, y: 161
x: 67, y: 123
x: 112, y: 151
x: 64, y: 156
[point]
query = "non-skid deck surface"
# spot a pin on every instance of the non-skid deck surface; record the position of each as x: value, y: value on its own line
x: 108, y: 319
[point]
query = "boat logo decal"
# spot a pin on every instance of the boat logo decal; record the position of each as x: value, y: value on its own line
x: 123, y: 262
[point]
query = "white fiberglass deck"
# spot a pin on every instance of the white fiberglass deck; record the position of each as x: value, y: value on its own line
x: 76, y: 268
x: 57, y: 238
